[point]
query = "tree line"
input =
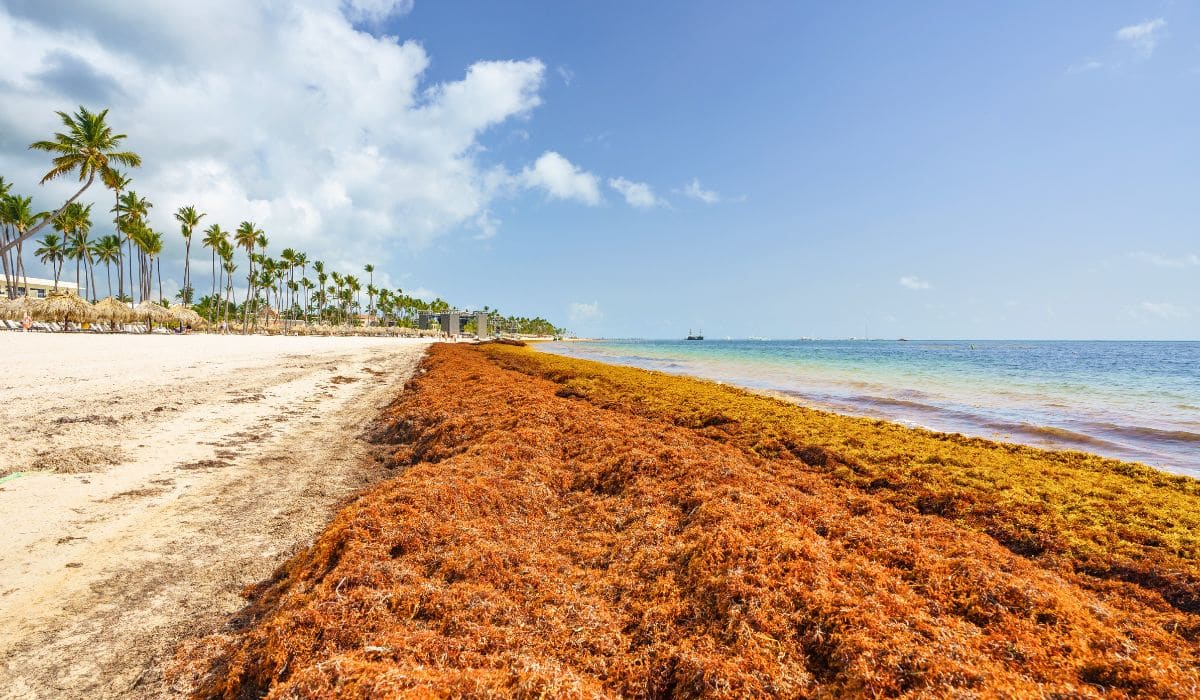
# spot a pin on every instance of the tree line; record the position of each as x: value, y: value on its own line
x: 277, y: 288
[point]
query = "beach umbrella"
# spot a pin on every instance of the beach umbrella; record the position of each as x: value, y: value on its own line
x: 114, y: 311
x: 186, y: 315
x: 62, y: 306
x: 153, y: 312
x: 15, y: 309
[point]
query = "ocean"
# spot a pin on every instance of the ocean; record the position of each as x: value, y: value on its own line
x: 1136, y: 401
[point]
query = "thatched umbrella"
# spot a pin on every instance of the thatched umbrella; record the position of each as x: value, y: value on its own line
x: 153, y: 312
x: 15, y: 309
x: 114, y: 311
x: 186, y: 315
x: 62, y: 306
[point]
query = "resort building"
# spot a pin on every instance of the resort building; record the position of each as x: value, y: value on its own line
x: 39, y: 288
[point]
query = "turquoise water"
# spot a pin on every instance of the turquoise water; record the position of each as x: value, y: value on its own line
x: 1136, y: 401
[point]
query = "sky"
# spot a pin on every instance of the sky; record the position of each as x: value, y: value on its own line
x: 631, y: 169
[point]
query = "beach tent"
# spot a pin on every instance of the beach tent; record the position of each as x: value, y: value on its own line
x: 62, y: 306
x: 187, y: 316
x: 15, y: 309
x: 114, y: 311
x: 153, y: 312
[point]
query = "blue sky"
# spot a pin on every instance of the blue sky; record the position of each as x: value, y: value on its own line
x: 636, y: 169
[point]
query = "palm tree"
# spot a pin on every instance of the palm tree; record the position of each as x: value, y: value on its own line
x: 154, y: 249
x: 87, y: 147
x: 225, y: 251
x: 5, y: 229
x: 370, y: 270
x: 214, y: 236
x: 246, y: 236
x: 117, y: 181
x: 288, y: 257
x: 188, y: 219
x: 319, y: 268
x: 52, y: 253
x: 302, y: 262
x: 133, y: 211
x: 18, y: 217
x: 77, y: 221
x: 107, y: 250
x: 308, y: 285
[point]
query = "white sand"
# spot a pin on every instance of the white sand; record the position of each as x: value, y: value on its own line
x: 162, y: 474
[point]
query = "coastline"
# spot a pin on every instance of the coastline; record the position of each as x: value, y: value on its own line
x: 563, y: 524
x: 1047, y: 394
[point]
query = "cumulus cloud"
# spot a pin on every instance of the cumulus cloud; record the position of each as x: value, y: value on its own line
x: 1142, y: 37
x: 561, y: 179
x: 698, y: 193
x: 579, y: 312
x: 330, y: 138
x: 915, y: 283
x: 637, y: 194
x: 1163, y: 309
x: 1187, y: 260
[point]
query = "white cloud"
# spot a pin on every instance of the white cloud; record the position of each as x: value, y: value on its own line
x: 487, y: 225
x: 567, y: 75
x: 579, y: 312
x: 637, y: 194
x: 1085, y: 67
x: 330, y: 138
x: 376, y: 10
x: 562, y: 180
x: 1164, y: 309
x: 422, y: 293
x: 1143, y: 37
x: 698, y: 193
x: 1187, y: 260
x: 915, y: 283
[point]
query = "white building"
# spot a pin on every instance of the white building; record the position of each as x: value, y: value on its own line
x: 39, y: 288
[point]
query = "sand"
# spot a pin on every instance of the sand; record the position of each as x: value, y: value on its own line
x: 149, y: 479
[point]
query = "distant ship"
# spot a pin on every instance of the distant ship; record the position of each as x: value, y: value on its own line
x: 695, y: 336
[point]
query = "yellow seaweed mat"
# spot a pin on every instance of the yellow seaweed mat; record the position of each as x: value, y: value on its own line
x: 570, y: 529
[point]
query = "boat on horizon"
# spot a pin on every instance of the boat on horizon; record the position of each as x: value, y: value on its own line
x: 695, y: 336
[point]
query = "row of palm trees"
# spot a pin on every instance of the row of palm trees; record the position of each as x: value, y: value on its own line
x: 88, y: 149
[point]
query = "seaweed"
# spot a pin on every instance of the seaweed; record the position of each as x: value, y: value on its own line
x: 618, y: 541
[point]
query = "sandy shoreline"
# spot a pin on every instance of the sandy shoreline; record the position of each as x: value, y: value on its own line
x: 151, y: 478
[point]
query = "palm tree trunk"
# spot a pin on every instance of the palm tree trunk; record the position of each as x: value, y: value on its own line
x: 10, y: 290
x: 249, y: 289
x: 120, y: 250
x: 22, y: 275
x: 158, y: 264
x: 212, y: 299
x: 108, y: 270
x: 187, y: 270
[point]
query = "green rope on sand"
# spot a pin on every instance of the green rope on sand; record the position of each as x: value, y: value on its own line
x: 10, y: 477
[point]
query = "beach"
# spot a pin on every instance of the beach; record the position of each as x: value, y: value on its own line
x: 209, y: 516
x: 147, y: 480
x: 564, y: 528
